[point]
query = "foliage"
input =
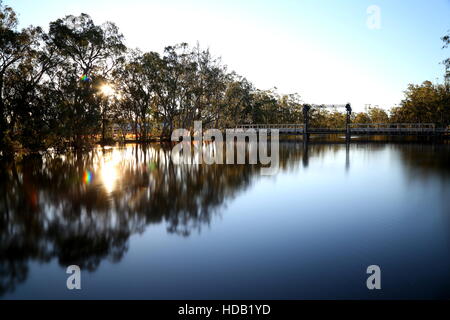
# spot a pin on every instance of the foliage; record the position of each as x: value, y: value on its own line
x: 426, y: 103
x: 52, y: 90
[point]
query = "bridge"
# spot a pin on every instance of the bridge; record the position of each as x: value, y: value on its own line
x: 389, y: 129
x: 406, y: 129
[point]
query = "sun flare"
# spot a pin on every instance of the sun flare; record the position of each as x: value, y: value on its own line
x: 107, y: 90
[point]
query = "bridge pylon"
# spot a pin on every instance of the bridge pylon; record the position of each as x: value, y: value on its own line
x: 307, y: 108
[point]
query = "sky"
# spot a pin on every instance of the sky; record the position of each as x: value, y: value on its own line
x: 328, y: 51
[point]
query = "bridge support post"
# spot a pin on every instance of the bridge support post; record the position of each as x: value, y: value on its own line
x: 306, y: 108
x: 347, y: 122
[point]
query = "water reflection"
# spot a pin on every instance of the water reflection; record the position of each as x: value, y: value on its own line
x: 82, y: 208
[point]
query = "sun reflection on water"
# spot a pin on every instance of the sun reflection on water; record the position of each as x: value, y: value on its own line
x: 109, y: 172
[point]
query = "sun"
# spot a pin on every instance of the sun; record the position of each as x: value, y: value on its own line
x: 107, y: 90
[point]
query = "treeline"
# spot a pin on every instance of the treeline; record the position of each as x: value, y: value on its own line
x: 67, y: 87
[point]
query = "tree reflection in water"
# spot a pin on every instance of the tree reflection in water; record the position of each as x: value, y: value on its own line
x: 82, y: 208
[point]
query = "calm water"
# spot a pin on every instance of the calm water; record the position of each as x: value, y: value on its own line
x: 140, y: 227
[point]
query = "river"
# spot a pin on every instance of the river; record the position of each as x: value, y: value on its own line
x: 140, y: 227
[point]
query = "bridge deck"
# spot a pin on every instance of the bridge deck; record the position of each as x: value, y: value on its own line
x: 354, y: 129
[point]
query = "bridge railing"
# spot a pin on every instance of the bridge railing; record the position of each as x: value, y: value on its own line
x: 353, y: 128
x: 326, y: 129
x: 294, y: 126
x: 393, y: 127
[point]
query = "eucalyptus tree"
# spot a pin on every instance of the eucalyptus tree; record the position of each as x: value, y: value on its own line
x: 265, y: 107
x: 177, y: 78
x: 290, y: 108
x: 32, y: 115
x: 446, y: 40
x: 361, y: 117
x: 184, y: 85
x: 90, y: 53
x: 426, y: 102
x: 378, y: 115
x: 209, y: 86
x: 238, y: 102
x: 141, y: 91
x: 15, y: 47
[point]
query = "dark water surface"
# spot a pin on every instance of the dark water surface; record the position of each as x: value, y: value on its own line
x: 140, y: 227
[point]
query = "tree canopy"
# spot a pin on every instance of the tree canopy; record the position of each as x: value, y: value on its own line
x: 78, y: 83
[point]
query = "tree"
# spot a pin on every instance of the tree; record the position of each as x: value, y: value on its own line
x: 361, y: 117
x: 425, y: 103
x: 208, y: 88
x: 70, y: 86
x: 15, y: 47
x: 378, y: 115
x: 290, y: 108
x: 90, y: 53
x: 237, y: 103
x: 446, y: 62
x: 140, y: 87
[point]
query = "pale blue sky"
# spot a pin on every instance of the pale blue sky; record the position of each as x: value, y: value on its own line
x: 322, y: 49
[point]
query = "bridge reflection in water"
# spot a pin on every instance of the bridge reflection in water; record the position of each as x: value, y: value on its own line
x: 83, y: 208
